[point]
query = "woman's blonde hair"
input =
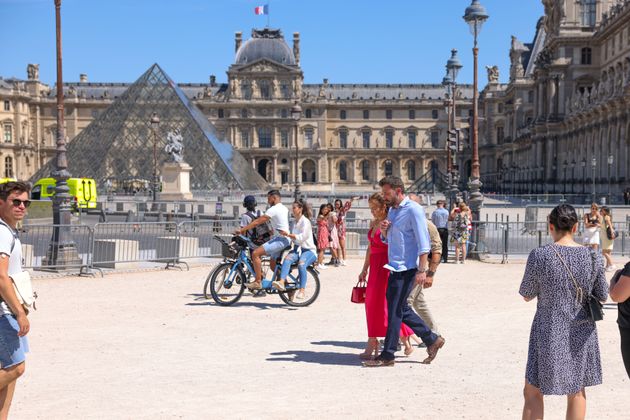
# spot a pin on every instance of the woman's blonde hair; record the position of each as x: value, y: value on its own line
x: 379, y: 199
x: 463, y: 206
x: 595, y: 205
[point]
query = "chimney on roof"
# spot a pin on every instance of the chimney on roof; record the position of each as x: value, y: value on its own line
x: 83, y: 78
x: 238, y: 40
x: 296, y: 47
x: 213, y: 80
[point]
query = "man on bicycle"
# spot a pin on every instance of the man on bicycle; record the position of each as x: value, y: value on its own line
x: 249, y: 202
x: 278, y: 215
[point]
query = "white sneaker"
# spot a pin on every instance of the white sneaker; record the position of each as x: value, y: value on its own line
x: 343, y: 263
x: 611, y: 268
x: 322, y: 267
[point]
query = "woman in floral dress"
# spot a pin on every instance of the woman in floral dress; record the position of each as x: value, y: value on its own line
x: 341, y: 210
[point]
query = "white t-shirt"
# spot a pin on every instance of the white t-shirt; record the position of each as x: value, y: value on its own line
x: 279, y: 215
x: 303, y: 232
x: 7, y: 236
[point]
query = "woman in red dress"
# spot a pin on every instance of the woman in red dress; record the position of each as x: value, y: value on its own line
x: 323, y: 235
x: 375, y: 299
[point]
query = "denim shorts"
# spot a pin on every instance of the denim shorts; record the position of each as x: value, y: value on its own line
x: 13, y: 349
x: 276, y: 245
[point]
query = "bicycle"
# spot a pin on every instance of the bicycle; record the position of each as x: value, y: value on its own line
x: 226, y: 282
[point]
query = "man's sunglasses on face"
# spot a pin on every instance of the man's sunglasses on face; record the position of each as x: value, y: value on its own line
x: 16, y: 202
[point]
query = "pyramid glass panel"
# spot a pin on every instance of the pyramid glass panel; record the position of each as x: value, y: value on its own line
x: 118, y: 144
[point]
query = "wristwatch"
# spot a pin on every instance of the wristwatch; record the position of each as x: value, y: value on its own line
x: 430, y: 273
x: 422, y: 270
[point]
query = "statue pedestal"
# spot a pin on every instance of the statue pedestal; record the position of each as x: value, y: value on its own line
x: 176, y: 181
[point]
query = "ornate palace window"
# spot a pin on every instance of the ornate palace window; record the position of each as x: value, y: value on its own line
x: 411, y: 170
x: 8, y: 133
x: 389, y: 168
x: 8, y: 167
x: 342, y: 114
x: 412, y: 139
x: 308, y: 138
x: 264, y: 138
x: 412, y: 114
x: 343, y: 139
x: 365, y: 170
x: 388, y: 114
x: 7, y: 106
x: 343, y: 170
x: 366, y: 139
x: 264, y: 89
x: 588, y: 12
x: 435, y: 139
x: 389, y: 139
x: 284, y: 139
x: 245, y: 143
x: 586, y: 56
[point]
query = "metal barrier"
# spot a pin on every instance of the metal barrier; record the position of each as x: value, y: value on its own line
x: 39, y: 253
x: 197, y: 237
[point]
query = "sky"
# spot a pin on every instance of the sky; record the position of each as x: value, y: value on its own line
x: 346, y: 41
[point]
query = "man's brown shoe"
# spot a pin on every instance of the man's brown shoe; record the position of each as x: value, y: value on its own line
x: 433, y: 350
x: 378, y: 363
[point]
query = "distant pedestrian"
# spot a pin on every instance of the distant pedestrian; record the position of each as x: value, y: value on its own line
x: 334, y: 236
x: 563, y: 355
x: 626, y: 197
x: 607, y: 236
x: 592, y: 224
x: 439, y: 217
x: 405, y: 232
x: 342, y: 210
x: 620, y: 293
x: 460, y: 218
x: 14, y: 324
x: 323, y: 235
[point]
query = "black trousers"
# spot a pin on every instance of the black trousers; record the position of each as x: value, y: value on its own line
x: 444, y: 237
x: 625, y: 348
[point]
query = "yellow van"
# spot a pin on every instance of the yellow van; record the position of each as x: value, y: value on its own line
x: 83, y: 191
x: 5, y: 180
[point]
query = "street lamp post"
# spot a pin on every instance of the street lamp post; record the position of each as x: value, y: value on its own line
x: 593, y: 166
x: 475, y: 15
x: 62, y: 250
x: 610, y: 163
x: 155, y: 125
x: 296, y: 115
x: 453, y: 66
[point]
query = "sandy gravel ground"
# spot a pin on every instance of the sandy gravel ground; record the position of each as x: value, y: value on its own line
x: 145, y: 345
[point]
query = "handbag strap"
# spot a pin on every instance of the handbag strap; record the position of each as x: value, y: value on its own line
x: 579, y: 293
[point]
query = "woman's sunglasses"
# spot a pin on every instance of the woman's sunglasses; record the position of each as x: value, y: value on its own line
x: 16, y: 202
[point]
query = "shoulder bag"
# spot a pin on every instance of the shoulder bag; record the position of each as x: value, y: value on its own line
x: 22, y: 284
x: 594, y: 308
x: 610, y: 233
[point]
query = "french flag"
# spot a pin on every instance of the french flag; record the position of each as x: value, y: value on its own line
x: 262, y: 10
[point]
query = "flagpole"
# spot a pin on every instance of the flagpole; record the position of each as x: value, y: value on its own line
x: 268, y: 12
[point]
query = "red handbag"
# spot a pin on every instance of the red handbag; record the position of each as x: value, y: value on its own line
x: 358, y: 292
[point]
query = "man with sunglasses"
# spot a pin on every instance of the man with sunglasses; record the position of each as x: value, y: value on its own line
x: 14, y: 324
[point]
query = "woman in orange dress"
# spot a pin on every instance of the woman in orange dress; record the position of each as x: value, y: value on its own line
x: 378, y: 276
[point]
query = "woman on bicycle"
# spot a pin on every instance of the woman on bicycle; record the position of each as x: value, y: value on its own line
x: 303, y: 251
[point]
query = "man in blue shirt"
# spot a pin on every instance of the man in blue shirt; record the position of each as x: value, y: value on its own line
x: 405, y: 231
x: 440, y: 219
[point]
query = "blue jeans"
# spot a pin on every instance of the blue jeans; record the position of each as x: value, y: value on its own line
x: 398, y: 311
x: 304, y: 260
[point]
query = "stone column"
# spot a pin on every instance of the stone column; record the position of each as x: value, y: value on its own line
x: 561, y: 95
x: 274, y: 171
x: 551, y: 97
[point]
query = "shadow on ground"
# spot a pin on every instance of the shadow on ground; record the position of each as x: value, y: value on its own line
x: 200, y: 300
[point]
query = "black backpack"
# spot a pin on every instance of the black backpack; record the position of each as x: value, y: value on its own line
x: 261, y: 233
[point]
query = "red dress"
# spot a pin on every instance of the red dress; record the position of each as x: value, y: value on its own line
x: 323, y: 234
x: 375, y: 299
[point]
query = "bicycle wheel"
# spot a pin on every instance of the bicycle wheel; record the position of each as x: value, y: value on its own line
x: 226, y: 285
x: 311, y: 291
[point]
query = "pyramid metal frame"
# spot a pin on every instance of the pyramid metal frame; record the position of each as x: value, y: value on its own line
x: 118, y: 144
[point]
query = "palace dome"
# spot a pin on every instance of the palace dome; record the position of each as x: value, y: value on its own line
x: 268, y: 44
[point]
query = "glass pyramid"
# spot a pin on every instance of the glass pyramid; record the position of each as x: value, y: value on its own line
x: 118, y: 144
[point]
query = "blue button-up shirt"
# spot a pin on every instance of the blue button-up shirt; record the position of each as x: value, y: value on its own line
x: 407, y: 236
x: 440, y: 218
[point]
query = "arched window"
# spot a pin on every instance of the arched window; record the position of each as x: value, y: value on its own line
x: 411, y: 170
x: 343, y: 170
x: 309, y: 171
x: 8, y: 167
x: 365, y: 170
x: 389, y: 168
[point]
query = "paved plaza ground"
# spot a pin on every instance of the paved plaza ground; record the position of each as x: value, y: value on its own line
x: 146, y: 345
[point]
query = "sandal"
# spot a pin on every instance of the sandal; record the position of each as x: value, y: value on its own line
x: 371, y: 351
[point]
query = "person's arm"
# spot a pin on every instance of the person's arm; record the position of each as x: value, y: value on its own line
x: 421, y: 234
x: 436, y: 257
x: 366, y: 264
x: 7, y: 292
x: 529, y: 285
x: 600, y: 288
x: 620, y: 291
x: 258, y: 221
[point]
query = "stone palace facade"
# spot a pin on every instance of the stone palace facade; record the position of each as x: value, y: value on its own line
x: 561, y: 124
